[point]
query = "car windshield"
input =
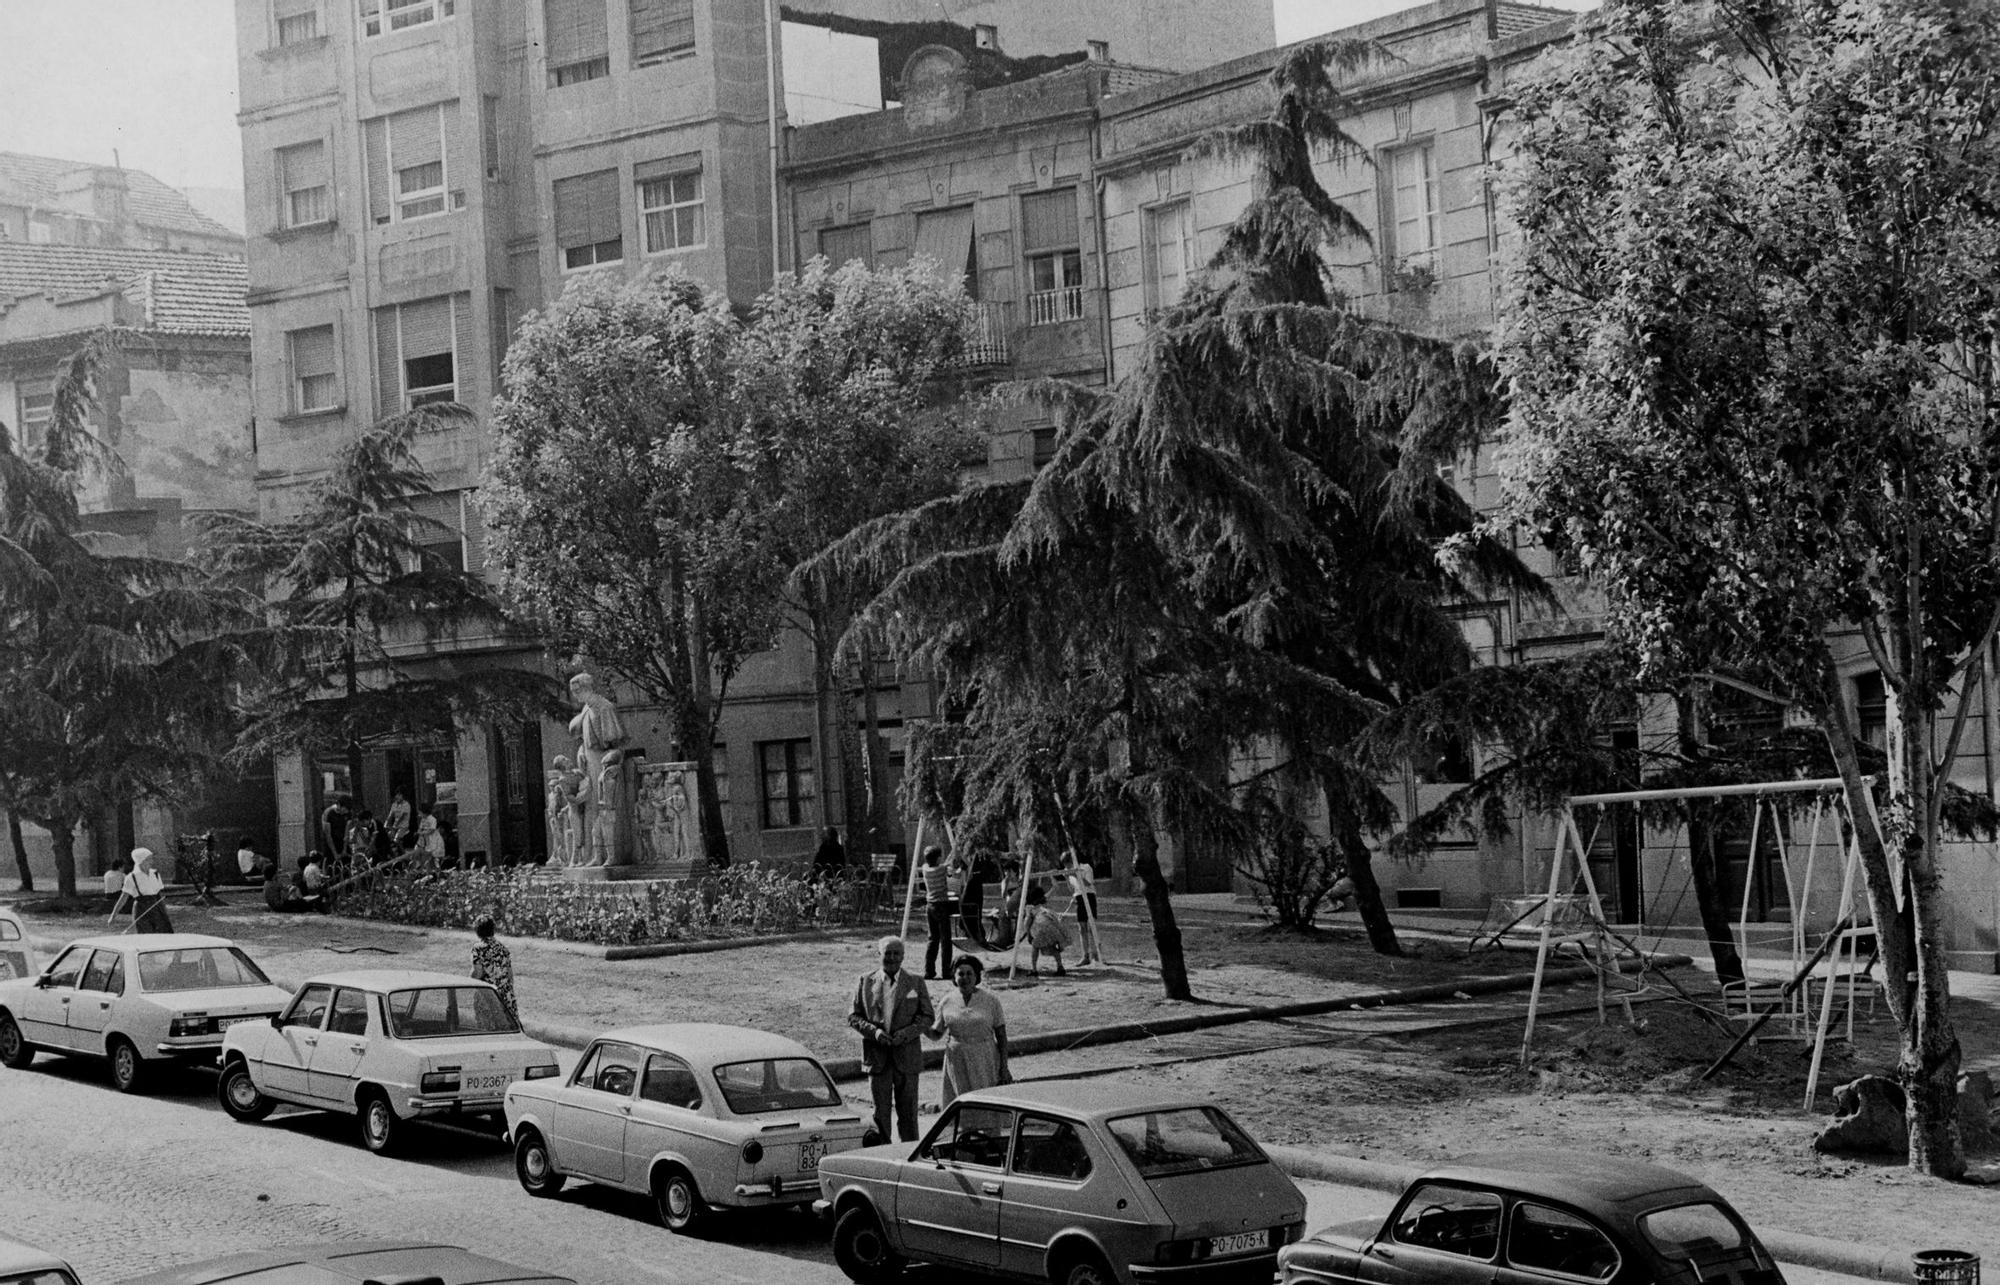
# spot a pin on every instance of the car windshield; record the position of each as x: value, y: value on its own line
x: 448, y: 1010
x: 775, y: 1084
x: 1687, y: 1233
x: 198, y: 968
x: 1187, y: 1140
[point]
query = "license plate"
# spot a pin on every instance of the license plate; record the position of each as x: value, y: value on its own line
x: 1241, y: 1243
x: 810, y: 1154
x: 486, y: 1083
x: 224, y: 1023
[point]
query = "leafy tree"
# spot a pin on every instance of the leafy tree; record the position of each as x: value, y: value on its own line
x: 1751, y: 366
x: 1245, y: 543
x: 358, y: 607
x: 116, y: 672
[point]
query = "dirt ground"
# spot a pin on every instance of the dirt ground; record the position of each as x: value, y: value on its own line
x: 1402, y: 1086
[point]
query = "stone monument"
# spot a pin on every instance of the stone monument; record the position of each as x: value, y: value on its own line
x: 604, y: 834
x: 669, y: 818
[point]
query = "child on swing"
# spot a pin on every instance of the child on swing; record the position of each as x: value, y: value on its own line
x: 1045, y: 932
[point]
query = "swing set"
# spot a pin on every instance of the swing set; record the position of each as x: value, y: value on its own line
x: 1581, y: 921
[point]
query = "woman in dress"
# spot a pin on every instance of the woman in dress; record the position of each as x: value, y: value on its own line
x: 430, y: 841
x: 492, y: 964
x: 974, y: 1031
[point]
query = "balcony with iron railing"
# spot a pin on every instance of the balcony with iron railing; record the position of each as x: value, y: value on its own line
x: 988, y: 342
x: 1047, y: 307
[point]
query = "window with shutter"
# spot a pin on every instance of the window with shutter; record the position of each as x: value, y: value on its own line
x: 1169, y: 253
x: 297, y: 21
x: 303, y: 177
x: 661, y: 29
x: 440, y: 529
x: 587, y: 220
x: 1413, y: 208
x: 670, y: 203
x: 844, y: 245
x: 578, y: 41
x: 35, y: 400
x: 426, y: 334
x: 416, y: 162
x: 945, y: 237
x: 315, y: 384
x: 381, y: 16
x: 1054, y: 256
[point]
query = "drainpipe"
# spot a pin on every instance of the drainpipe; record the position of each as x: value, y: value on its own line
x: 773, y: 17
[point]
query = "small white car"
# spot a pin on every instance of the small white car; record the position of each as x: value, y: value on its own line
x: 137, y: 999
x: 694, y: 1114
x: 23, y: 1264
x: 388, y: 1045
x: 17, y: 953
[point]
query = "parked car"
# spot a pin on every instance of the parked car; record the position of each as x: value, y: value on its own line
x: 1078, y: 1183
x: 1541, y: 1216
x: 139, y: 999
x: 23, y: 1264
x: 697, y: 1115
x: 17, y: 953
x: 353, y: 1260
x: 388, y: 1045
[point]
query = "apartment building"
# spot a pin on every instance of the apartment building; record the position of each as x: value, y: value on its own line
x: 422, y: 173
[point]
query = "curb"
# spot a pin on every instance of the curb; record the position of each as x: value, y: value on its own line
x: 660, y: 949
x: 849, y: 1068
x: 1866, y: 1262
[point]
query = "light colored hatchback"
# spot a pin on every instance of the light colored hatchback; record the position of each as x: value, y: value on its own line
x: 696, y: 1115
x: 138, y: 999
x: 17, y: 953
x: 389, y: 1046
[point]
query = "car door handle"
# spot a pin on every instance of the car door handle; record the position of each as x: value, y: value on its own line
x: 990, y: 1188
x: 357, y: 1048
x: 65, y: 999
x: 104, y: 1003
x: 626, y: 1109
x: 308, y: 1039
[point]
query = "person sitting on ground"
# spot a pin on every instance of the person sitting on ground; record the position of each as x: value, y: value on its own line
x: 311, y: 883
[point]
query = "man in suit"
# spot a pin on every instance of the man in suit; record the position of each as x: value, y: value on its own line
x: 892, y: 1010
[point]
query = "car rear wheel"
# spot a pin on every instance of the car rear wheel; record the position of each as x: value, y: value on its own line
x: 239, y: 1096
x: 128, y: 1071
x: 681, y: 1207
x: 534, y: 1168
x: 862, y: 1248
x: 15, y: 1051
x: 1085, y: 1268
x: 381, y: 1131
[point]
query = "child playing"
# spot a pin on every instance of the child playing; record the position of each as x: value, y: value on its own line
x: 1045, y: 932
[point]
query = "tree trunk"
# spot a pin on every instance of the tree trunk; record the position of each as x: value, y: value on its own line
x: 694, y: 715
x: 1691, y: 715
x: 1367, y: 893
x: 874, y: 757
x: 1159, y: 903
x: 20, y: 851
x: 62, y: 845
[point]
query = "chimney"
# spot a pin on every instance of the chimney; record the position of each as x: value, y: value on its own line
x: 1100, y: 50
x: 986, y: 36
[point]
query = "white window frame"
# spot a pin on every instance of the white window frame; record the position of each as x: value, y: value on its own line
x: 301, y: 404
x: 428, y: 394
x: 699, y: 205
x: 402, y: 200
x: 36, y: 410
x: 292, y: 194
x: 287, y: 28
x: 1155, y: 248
x: 1421, y: 187
x: 402, y: 15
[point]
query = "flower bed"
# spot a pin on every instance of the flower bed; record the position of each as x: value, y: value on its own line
x: 742, y: 901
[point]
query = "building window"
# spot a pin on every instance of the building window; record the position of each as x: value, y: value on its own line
x: 1044, y: 439
x: 587, y: 222
x: 315, y: 386
x: 407, y: 171
x: 439, y: 529
x: 660, y: 30
x: 1413, y: 208
x: 302, y: 175
x: 298, y: 21
x: 1169, y: 253
x: 788, y: 783
x: 1871, y: 710
x: 36, y: 400
x: 578, y: 41
x: 402, y: 14
x: 945, y: 237
x: 848, y: 244
x: 1055, y: 256
x: 417, y: 347
x: 670, y: 208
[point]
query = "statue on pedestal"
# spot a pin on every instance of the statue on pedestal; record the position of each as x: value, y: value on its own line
x: 671, y: 823
x: 600, y: 734
x: 568, y: 797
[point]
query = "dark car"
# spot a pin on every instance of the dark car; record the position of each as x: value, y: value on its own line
x: 1530, y: 1217
x: 405, y: 1262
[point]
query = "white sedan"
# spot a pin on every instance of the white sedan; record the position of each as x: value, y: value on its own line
x: 136, y: 999
x: 387, y: 1045
x: 696, y: 1115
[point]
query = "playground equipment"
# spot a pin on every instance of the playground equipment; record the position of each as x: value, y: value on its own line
x: 1582, y: 920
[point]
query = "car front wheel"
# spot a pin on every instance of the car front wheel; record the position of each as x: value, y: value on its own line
x: 681, y: 1207
x: 239, y: 1096
x: 15, y: 1051
x: 381, y: 1131
x: 534, y: 1168
x: 862, y: 1248
x: 128, y: 1072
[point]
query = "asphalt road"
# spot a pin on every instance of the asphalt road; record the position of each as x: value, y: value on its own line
x: 122, y: 1185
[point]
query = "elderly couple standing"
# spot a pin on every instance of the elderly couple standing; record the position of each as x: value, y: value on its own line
x: 892, y: 1008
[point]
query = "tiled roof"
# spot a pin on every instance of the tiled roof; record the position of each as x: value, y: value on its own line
x: 150, y: 202
x: 180, y: 292
x: 1511, y: 19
